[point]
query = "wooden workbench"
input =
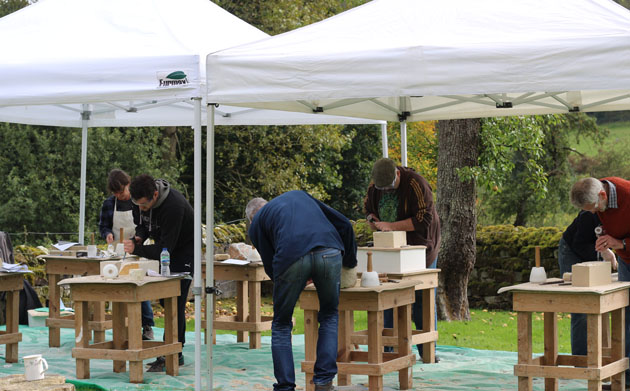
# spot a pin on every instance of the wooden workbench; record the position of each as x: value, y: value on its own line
x: 12, y: 283
x: 58, y: 266
x: 248, y: 318
x: 373, y: 363
x: 593, y: 301
x: 127, y: 343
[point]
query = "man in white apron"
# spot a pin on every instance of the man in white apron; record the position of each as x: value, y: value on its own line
x: 117, y: 212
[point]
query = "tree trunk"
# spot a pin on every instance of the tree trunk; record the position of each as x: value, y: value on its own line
x: 170, y: 132
x: 457, y: 147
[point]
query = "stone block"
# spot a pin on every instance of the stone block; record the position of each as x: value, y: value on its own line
x: 390, y: 239
x: 591, y: 274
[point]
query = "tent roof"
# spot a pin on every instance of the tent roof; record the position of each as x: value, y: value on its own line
x: 425, y: 59
x: 64, y: 53
x: 82, y: 51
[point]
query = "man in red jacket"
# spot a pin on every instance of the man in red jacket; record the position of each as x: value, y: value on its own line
x: 609, y: 198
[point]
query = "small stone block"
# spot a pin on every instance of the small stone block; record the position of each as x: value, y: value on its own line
x: 591, y: 274
x: 390, y: 239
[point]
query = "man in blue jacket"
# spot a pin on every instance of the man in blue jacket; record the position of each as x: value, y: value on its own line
x: 300, y: 238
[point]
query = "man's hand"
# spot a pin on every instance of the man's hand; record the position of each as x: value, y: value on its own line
x: 129, y: 246
x: 605, y: 242
x: 610, y: 256
x: 110, y: 238
x: 384, y: 226
x: 371, y: 219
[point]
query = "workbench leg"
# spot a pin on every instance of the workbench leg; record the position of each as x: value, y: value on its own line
x: 54, y: 333
x: 118, y: 326
x: 551, y: 348
x: 171, y: 334
x: 428, y: 324
x: 82, y: 336
x: 618, y: 346
x: 606, y: 337
x: 254, y: 313
x: 134, y: 332
x: 594, y: 347
x: 344, y: 346
x: 375, y: 346
x: 241, y: 308
x: 405, y: 375
x: 524, y: 348
x: 310, y: 344
x: 12, y: 323
x: 99, y: 318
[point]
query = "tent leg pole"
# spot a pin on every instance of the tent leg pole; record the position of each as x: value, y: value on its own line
x: 384, y: 139
x: 209, y: 239
x: 403, y: 143
x: 197, y: 237
x: 85, y: 118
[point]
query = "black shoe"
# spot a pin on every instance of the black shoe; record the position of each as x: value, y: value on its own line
x: 147, y: 332
x: 324, y: 387
x: 159, y: 365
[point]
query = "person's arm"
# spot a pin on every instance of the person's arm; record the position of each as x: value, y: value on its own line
x: 106, y: 218
x: 371, y: 214
x: 170, y: 227
x: 583, y: 240
x: 420, y: 203
x: 263, y: 245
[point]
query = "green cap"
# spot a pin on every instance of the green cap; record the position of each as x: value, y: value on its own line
x: 384, y: 172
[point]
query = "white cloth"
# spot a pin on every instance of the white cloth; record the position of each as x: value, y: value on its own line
x: 123, y: 220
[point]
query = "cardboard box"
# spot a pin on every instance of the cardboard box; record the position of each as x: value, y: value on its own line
x: 393, y: 260
x: 390, y: 239
x: 591, y: 274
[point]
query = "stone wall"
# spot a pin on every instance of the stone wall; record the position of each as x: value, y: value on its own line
x: 505, y: 256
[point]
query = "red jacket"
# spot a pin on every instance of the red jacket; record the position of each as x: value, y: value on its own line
x: 616, y: 222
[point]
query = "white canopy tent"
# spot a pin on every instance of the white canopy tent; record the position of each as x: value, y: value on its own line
x: 87, y: 63
x: 414, y: 60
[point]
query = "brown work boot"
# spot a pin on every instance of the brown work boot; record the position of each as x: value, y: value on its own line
x: 324, y: 387
x: 147, y: 332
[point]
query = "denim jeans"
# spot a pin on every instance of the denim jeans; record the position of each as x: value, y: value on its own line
x: 147, y: 314
x: 624, y: 275
x: 566, y: 259
x: 323, y: 265
x: 416, y: 314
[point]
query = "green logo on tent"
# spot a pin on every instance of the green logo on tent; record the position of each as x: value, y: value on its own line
x: 177, y: 75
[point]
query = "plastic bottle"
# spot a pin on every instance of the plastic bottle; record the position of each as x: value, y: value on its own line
x: 165, y: 262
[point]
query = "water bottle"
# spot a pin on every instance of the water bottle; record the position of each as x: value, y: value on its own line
x: 165, y: 262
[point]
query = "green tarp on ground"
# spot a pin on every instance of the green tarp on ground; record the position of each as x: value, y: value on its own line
x: 240, y: 369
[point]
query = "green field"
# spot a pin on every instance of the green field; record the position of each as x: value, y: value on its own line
x: 486, y: 330
x: 619, y: 135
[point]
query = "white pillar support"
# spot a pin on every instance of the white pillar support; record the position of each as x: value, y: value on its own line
x: 209, y: 240
x: 384, y: 139
x: 403, y: 143
x: 197, y: 288
x: 85, y: 118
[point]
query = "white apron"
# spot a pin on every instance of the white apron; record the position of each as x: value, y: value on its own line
x: 123, y: 220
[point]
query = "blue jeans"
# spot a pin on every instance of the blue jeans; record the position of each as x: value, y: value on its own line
x: 323, y: 265
x: 147, y: 314
x: 623, y: 270
x: 566, y: 259
x: 416, y: 313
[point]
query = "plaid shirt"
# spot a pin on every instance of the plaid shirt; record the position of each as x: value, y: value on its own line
x: 612, y: 195
x: 106, y: 219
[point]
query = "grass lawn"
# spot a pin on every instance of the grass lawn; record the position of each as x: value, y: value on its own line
x: 619, y: 135
x: 486, y: 330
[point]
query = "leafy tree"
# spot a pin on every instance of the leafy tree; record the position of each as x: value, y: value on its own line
x: 422, y: 148
x: 9, y: 6
x: 41, y: 167
x: 524, y: 169
x: 278, y: 16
